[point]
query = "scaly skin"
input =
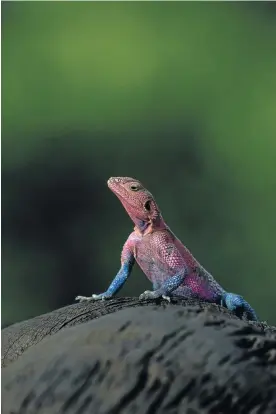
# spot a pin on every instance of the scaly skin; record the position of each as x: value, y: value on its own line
x: 167, y: 263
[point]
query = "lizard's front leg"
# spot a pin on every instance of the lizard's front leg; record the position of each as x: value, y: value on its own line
x: 114, y: 287
x: 127, y: 262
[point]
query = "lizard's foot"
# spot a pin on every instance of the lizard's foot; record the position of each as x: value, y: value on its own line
x: 101, y: 296
x: 238, y: 305
x: 83, y: 298
x: 148, y: 294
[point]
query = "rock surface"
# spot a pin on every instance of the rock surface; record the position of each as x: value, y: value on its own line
x: 124, y: 356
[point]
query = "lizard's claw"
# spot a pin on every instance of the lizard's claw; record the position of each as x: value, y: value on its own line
x: 148, y: 294
x: 101, y: 296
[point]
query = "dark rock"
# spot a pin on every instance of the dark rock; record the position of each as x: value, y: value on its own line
x: 123, y: 356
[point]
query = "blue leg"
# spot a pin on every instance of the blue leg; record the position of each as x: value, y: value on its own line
x: 166, y: 288
x: 238, y: 305
x: 115, y: 285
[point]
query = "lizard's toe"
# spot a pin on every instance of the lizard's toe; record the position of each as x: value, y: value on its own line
x: 145, y: 295
x: 166, y: 298
x: 83, y: 298
x: 101, y: 296
x: 148, y: 294
x: 90, y: 298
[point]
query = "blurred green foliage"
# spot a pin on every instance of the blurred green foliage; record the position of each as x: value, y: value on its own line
x: 179, y: 95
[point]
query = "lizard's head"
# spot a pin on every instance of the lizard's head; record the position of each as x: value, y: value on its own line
x: 136, y: 199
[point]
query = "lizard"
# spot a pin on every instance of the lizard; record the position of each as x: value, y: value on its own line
x: 167, y: 263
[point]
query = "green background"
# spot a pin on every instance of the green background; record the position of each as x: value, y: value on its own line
x: 179, y: 95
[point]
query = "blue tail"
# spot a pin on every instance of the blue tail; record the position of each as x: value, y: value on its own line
x: 238, y: 305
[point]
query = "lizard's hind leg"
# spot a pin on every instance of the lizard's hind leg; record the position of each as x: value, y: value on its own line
x: 238, y: 305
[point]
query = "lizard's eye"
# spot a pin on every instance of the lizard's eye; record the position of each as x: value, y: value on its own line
x: 134, y: 187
